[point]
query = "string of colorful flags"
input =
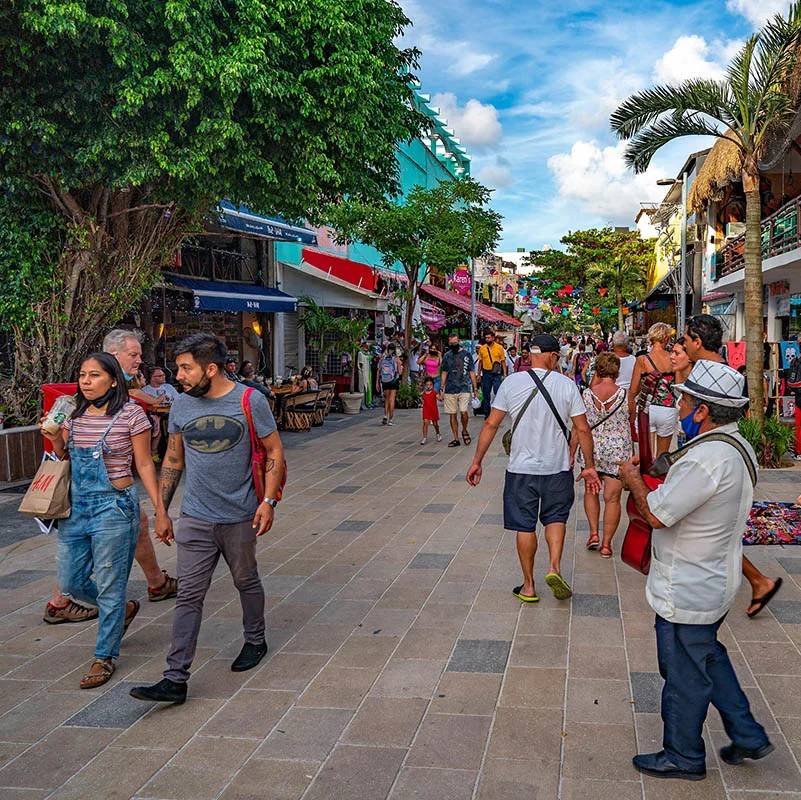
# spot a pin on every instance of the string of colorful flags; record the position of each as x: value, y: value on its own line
x: 566, y: 299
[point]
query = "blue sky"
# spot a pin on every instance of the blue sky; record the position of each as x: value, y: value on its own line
x: 528, y: 86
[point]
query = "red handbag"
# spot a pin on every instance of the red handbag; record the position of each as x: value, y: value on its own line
x: 258, y: 454
x: 636, y: 549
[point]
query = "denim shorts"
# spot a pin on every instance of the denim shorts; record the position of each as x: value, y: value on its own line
x: 528, y: 499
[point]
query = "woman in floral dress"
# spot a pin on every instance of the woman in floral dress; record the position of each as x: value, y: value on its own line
x: 608, y: 415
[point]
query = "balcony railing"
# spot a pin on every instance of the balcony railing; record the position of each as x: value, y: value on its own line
x: 216, y: 265
x: 780, y: 234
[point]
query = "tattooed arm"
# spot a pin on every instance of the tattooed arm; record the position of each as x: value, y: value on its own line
x: 274, y: 473
x: 171, y: 473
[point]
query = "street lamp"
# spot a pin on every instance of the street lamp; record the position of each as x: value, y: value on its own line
x: 682, y: 310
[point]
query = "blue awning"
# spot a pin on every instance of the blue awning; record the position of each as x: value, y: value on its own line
x: 219, y: 296
x: 243, y: 220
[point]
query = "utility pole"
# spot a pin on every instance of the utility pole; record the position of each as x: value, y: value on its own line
x: 472, y: 305
x: 683, y: 271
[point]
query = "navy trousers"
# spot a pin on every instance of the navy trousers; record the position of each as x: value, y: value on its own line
x: 697, y: 672
x: 489, y: 383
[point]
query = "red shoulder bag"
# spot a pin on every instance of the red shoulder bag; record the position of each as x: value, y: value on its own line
x: 257, y: 453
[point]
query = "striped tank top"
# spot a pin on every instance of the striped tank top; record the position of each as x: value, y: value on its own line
x: 88, y: 430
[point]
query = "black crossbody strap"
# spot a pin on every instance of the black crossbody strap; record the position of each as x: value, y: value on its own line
x: 525, y: 406
x: 673, y: 457
x: 549, y: 401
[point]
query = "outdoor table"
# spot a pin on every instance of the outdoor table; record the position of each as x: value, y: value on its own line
x: 281, y: 393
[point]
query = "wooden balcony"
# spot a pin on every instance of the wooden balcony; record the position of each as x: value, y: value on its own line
x: 780, y: 234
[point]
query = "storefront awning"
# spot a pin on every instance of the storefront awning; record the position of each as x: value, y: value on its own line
x: 219, y: 296
x: 353, y: 272
x: 487, y: 313
x: 328, y: 290
x: 242, y: 220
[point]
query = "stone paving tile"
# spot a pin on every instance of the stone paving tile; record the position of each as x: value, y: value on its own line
x: 429, y: 466
x: 786, y: 610
x: 647, y: 690
x: 345, y: 489
x: 431, y: 561
x: 114, y: 709
x: 350, y: 625
x: 21, y: 577
x: 479, y: 655
x: 595, y: 605
x: 356, y: 525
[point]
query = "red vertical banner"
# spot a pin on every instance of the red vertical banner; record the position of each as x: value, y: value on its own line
x: 736, y: 354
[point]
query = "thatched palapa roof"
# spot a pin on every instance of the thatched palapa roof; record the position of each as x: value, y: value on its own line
x: 723, y: 166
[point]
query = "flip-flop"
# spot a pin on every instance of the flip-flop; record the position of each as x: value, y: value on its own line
x: 558, y: 585
x: 526, y: 598
x: 455, y: 443
x: 761, y: 602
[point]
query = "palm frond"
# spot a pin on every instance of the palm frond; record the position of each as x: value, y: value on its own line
x: 775, y: 60
x: 645, y: 143
x: 739, y: 80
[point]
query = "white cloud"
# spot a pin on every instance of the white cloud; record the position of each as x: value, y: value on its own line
x: 462, y: 58
x: 758, y: 11
x: 599, y: 179
x: 694, y: 57
x: 475, y: 123
x: 496, y: 175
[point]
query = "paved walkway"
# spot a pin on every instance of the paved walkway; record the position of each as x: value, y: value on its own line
x: 400, y: 664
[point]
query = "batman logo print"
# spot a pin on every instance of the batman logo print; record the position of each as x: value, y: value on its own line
x: 213, y: 434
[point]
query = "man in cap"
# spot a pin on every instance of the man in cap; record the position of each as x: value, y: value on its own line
x: 698, y: 515
x: 539, y: 478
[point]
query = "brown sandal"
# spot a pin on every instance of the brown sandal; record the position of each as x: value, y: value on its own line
x: 94, y: 679
x: 129, y: 617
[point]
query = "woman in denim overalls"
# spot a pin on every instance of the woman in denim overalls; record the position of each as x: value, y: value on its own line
x: 101, y: 532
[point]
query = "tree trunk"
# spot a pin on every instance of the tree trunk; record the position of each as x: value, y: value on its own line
x: 753, y: 302
x: 407, y: 326
x: 619, y: 311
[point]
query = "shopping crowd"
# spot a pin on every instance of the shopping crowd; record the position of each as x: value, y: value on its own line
x: 578, y: 410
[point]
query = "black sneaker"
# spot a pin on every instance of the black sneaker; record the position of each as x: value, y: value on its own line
x: 249, y: 656
x: 734, y: 754
x: 165, y: 691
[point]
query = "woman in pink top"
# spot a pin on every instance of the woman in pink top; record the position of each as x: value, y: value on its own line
x: 431, y: 363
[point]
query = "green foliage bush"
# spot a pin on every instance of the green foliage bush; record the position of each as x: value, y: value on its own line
x: 770, y: 440
x: 408, y: 396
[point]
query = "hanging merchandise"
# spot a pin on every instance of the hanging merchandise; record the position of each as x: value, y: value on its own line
x: 603, y: 291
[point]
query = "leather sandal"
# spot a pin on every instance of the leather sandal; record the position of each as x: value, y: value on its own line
x: 94, y: 679
x: 129, y: 616
x: 455, y: 443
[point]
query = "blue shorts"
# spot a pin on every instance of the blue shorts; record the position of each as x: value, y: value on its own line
x: 528, y: 499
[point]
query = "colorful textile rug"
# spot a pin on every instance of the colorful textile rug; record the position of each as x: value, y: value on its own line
x: 773, y: 523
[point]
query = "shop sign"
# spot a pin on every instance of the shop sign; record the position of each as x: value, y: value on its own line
x: 783, y: 306
x: 778, y: 288
x: 461, y: 281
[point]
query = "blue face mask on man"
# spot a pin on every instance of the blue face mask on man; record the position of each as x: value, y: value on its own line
x: 689, y: 426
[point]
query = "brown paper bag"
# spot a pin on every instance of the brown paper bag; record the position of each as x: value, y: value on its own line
x: 48, y: 497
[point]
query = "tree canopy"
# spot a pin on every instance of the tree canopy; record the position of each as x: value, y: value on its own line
x: 440, y: 227
x: 123, y: 123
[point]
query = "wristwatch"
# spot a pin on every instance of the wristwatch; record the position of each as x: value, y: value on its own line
x: 270, y: 502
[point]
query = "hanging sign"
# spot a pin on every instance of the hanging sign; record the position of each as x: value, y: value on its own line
x: 461, y: 281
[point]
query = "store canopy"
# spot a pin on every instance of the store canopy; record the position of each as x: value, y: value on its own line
x: 487, y: 313
x: 219, y: 296
x: 353, y: 272
x: 328, y: 290
x: 242, y: 220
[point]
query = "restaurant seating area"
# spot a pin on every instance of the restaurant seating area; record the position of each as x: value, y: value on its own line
x: 300, y: 411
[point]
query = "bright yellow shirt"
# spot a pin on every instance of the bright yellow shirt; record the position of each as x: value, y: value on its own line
x: 487, y: 354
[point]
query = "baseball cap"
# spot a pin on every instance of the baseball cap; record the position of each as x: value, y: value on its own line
x: 544, y: 343
x: 230, y: 360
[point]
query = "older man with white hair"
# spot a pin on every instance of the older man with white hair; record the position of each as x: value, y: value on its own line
x: 698, y: 516
x: 620, y: 347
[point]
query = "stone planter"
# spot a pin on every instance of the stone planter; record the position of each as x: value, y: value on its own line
x: 351, y: 402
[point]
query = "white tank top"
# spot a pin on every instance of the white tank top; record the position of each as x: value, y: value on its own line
x: 626, y: 372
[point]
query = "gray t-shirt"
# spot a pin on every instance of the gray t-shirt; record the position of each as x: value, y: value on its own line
x: 219, y: 480
x: 458, y: 366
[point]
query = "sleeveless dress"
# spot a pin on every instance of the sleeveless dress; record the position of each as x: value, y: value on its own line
x: 612, y: 438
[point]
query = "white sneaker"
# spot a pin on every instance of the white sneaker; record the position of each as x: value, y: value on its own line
x: 384, y: 420
x: 390, y: 422
x: 439, y: 438
x: 423, y: 440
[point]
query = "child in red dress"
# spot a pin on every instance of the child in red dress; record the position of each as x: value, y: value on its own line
x: 430, y: 410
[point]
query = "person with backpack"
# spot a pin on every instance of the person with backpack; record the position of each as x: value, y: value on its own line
x: 389, y: 375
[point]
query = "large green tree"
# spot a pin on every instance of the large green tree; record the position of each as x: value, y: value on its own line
x: 441, y: 227
x: 123, y: 123
x: 750, y: 106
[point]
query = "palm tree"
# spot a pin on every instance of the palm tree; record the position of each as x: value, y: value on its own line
x: 749, y: 106
x: 624, y: 278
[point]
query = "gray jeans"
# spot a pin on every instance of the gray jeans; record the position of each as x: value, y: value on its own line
x: 200, y: 545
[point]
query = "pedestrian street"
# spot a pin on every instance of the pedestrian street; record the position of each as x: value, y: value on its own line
x: 400, y: 664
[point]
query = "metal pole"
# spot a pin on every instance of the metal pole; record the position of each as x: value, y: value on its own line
x: 472, y: 305
x: 683, y: 271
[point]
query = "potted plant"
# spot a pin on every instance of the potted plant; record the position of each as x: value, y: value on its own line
x: 315, y: 321
x: 349, y: 335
